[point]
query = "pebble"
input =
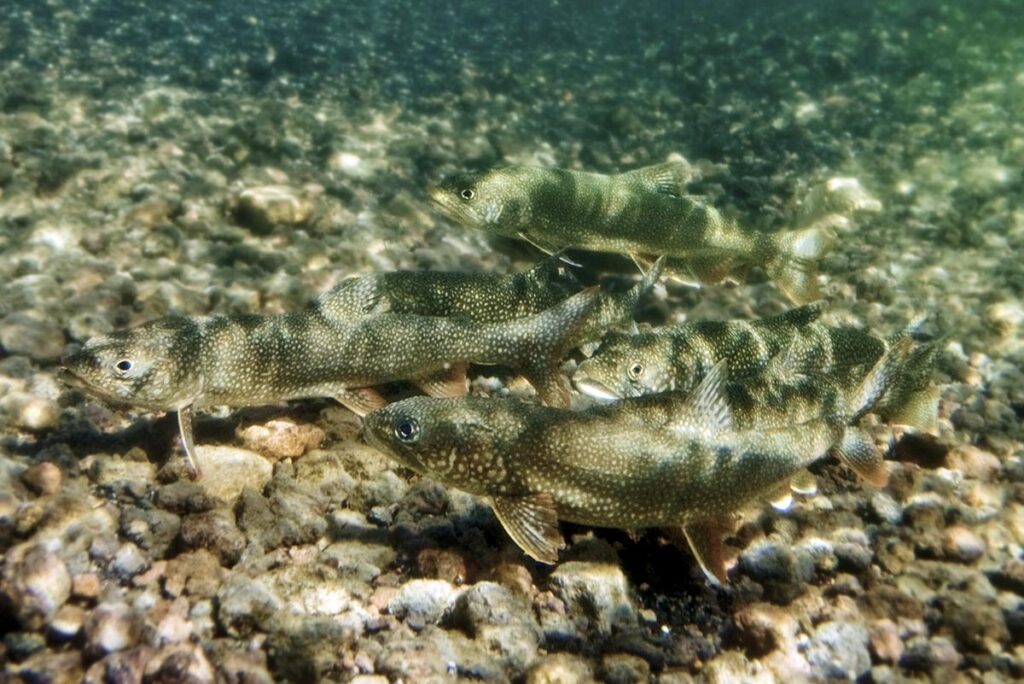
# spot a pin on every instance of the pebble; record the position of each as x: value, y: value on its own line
x: 973, y: 462
x: 445, y: 564
x: 38, y: 414
x: 960, y: 544
x: 923, y: 654
x: 111, y: 627
x: 783, y: 571
x: 180, y: 663
x: 228, y: 470
x: 560, y: 668
x: 214, y: 530
x: 67, y: 623
x: 49, y: 667
x: 245, y: 604
x: 38, y: 337
x: 43, y: 478
x: 87, y: 585
x: 129, y: 561
x: 282, y: 438
x: 839, y: 650
x: 360, y: 560
x: 596, y: 596
x: 885, y: 508
x: 262, y: 208
x: 36, y: 582
x: 487, y: 603
x: 421, y: 601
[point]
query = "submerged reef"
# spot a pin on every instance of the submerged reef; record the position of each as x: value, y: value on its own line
x: 198, y: 158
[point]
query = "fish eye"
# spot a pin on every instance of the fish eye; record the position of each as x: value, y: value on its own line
x: 636, y: 370
x: 467, y: 194
x: 124, y: 366
x: 407, y: 430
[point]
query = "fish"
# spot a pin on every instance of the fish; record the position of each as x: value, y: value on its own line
x: 182, y: 363
x: 676, y: 358
x: 480, y: 297
x: 622, y: 466
x: 641, y: 213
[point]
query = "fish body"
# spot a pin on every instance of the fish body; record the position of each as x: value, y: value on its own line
x: 639, y: 213
x: 676, y: 358
x: 605, y: 466
x: 481, y: 297
x: 180, y: 363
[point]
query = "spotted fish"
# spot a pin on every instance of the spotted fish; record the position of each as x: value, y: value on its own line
x: 677, y: 357
x: 641, y: 213
x: 628, y: 466
x: 181, y: 363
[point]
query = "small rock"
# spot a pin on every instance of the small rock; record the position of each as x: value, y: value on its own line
x: 781, y: 570
x: 38, y: 414
x: 48, y: 667
x: 36, y: 583
x: 38, y: 338
x: 924, y: 655
x: 487, y: 603
x: 262, y: 208
x: 125, y: 666
x: 151, y: 528
x: 623, y: 668
x: 560, y: 668
x: 86, y: 585
x: 245, y: 605
x: 885, y: 641
x: 43, y: 478
x: 839, y: 650
x: 184, y: 663
x: 282, y: 438
x: 421, y: 602
x: 129, y: 561
x: 184, y: 497
x: 973, y: 462
x: 214, y: 530
x: 886, y: 509
x: 962, y: 545
x: 197, y: 574
x: 21, y: 645
x: 229, y: 470
x: 67, y: 623
x: 442, y: 564
x: 361, y: 560
x: 1010, y: 576
x: 111, y: 627
x: 249, y: 667
x: 596, y: 595
x: 978, y: 626
x: 108, y: 471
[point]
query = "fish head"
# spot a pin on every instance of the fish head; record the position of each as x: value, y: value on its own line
x: 495, y: 200
x: 152, y: 366
x: 457, y: 441
x: 628, y: 366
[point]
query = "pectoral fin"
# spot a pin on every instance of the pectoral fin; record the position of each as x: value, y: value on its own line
x: 450, y: 382
x: 532, y: 522
x: 706, y: 412
x: 705, y: 540
x: 185, y: 417
x: 858, y: 451
x: 804, y: 483
x: 360, y: 400
x: 919, y: 411
x: 558, y: 253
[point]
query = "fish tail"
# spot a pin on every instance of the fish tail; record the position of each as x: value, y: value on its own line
x: 535, y: 345
x: 794, y: 264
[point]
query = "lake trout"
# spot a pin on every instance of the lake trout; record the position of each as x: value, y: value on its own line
x: 677, y: 357
x: 608, y: 466
x: 641, y: 213
x: 181, y: 363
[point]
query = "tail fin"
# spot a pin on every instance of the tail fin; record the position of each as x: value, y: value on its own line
x: 794, y: 267
x: 535, y: 345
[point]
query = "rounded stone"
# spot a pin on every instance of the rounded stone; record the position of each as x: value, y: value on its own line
x: 839, y: 650
x: 43, y: 478
x: 37, y: 583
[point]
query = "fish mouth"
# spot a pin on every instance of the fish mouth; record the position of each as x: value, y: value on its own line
x: 594, y: 389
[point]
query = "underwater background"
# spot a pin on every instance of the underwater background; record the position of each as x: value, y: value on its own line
x: 196, y: 157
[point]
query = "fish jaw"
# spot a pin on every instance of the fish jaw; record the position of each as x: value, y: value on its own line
x: 594, y: 389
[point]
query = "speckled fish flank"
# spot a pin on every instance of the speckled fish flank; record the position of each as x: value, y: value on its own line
x: 178, y: 364
x: 603, y: 466
x: 640, y: 213
x: 676, y: 358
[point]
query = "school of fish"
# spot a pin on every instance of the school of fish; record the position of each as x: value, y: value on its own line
x: 691, y: 422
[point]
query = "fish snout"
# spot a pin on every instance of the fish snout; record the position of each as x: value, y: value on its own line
x: 592, y: 388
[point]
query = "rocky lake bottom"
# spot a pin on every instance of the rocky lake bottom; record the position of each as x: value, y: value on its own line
x: 242, y: 160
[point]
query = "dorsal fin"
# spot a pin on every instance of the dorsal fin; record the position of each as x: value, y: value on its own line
x: 803, y: 315
x: 706, y: 411
x: 669, y: 178
x: 532, y: 522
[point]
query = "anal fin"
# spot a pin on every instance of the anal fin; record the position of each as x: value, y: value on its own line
x: 857, y: 450
x: 186, y: 415
x: 449, y: 382
x: 705, y: 540
x: 532, y: 522
x: 360, y: 400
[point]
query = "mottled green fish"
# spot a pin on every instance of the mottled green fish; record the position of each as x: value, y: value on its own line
x: 677, y: 357
x: 481, y: 297
x: 608, y: 466
x: 641, y: 213
x: 179, y: 364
